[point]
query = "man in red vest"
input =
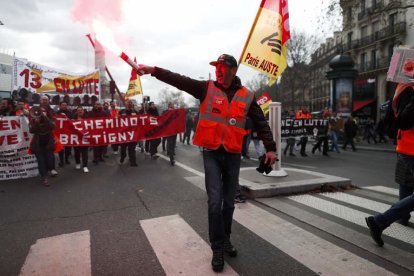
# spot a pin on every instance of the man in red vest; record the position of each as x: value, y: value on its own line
x: 225, y: 105
x: 403, y: 106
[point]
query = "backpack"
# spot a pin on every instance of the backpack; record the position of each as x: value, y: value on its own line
x: 390, y: 122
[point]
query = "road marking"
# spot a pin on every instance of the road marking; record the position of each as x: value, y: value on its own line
x: 312, y: 251
x: 297, y: 165
x: 405, y: 234
x: 382, y: 189
x: 185, y: 167
x: 67, y: 254
x: 180, y: 250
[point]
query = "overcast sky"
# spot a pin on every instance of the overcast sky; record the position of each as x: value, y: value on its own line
x: 181, y: 35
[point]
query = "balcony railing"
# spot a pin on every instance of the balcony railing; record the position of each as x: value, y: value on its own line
x: 378, y: 64
x: 389, y: 31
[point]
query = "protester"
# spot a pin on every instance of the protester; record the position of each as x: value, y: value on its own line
x: 351, y: 129
x: 153, y: 143
x: 47, y: 109
x: 171, y: 141
x: 129, y: 111
x: 189, y: 126
x: 21, y: 108
x: 98, y: 151
x: 380, y: 129
x: 220, y: 132
x: 290, y: 142
x: 370, y: 131
x: 336, y: 127
x: 403, y: 106
x: 114, y: 112
x: 323, y: 138
x: 303, y: 113
x: 81, y: 152
x: 42, y: 145
x: 7, y: 107
x: 66, y: 152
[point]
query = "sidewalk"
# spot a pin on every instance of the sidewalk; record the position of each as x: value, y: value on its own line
x: 256, y: 185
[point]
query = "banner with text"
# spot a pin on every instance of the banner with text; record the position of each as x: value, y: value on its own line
x: 304, y: 127
x: 14, y: 143
x: 38, y: 78
x: 105, y: 131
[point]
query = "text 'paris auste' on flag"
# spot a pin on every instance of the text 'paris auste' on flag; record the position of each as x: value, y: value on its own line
x: 266, y: 49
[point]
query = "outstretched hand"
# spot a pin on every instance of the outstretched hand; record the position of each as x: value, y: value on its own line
x: 145, y: 69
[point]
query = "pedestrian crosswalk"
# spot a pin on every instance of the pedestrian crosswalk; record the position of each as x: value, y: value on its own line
x: 291, y: 224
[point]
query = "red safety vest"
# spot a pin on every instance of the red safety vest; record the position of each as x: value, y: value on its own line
x: 221, y: 122
x: 405, y: 138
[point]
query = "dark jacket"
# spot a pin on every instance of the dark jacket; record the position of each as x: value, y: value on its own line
x: 350, y: 128
x: 405, y: 109
x: 198, y: 89
x: 42, y: 135
x: 128, y: 112
x: 98, y: 113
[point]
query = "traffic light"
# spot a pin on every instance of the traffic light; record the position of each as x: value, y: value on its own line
x: 112, y: 87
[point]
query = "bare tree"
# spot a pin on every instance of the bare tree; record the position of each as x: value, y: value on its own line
x: 295, y: 79
x: 171, y: 95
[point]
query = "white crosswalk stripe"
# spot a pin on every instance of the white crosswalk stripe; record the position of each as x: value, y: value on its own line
x: 67, y: 254
x: 180, y: 250
x: 405, y: 234
x: 383, y: 189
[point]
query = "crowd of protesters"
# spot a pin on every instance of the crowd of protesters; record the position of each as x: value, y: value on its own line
x: 43, y: 142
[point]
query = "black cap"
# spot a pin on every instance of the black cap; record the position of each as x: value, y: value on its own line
x: 225, y: 59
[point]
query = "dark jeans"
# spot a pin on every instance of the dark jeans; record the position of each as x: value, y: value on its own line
x: 153, y: 145
x: 45, y: 161
x: 64, y: 154
x: 303, y: 142
x: 349, y: 140
x: 98, y: 152
x: 81, y: 152
x: 290, y: 143
x: 131, y: 151
x: 187, y: 136
x: 402, y: 208
x: 171, y: 141
x: 221, y: 180
x: 318, y: 144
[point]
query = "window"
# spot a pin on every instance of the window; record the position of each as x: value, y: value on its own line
x: 5, y: 69
x: 363, y: 6
x: 375, y: 29
x: 374, y: 58
x: 364, y: 31
x: 349, y: 14
x: 392, y: 21
x: 363, y: 61
x: 349, y: 40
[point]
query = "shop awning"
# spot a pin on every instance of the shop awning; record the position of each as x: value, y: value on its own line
x: 357, y: 105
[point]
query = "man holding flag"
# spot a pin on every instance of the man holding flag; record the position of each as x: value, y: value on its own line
x: 225, y: 104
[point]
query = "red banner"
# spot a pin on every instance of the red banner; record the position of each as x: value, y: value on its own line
x: 105, y: 131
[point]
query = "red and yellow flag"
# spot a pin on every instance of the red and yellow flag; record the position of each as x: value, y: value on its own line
x: 265, y: 49
x: 134, y: 86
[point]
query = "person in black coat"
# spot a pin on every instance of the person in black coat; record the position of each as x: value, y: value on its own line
x: 350, y: 130
x: 129, y: 111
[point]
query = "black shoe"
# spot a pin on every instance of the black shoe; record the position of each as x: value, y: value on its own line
x: 313, y: 150
x: 284, y: 152
x: 304, y: 155
x: 292, y: 154
x: 239, y: 199
x: 60, y: 164
x: 154, y: 156
x: 326, y: 154
x: 95, y: 162
x: 218, y: 260
x: 229, y: 249
x: 172, y: 161
x: 122, y: 159
x: 134, y: 165
x: 375, y: 230
x: 67, y: 162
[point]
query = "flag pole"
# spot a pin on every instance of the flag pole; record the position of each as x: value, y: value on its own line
x: 109, y: 74
x: 250, y: 33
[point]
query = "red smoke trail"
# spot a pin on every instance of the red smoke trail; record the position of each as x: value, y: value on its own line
x: 105, y: 10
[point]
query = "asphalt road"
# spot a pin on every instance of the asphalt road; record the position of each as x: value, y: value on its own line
x: 108, y: 206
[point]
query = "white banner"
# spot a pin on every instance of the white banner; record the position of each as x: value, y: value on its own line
x: 37, y: 78
x: 14, y: 143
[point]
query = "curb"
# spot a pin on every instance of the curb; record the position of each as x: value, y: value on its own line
x: 315, y: 181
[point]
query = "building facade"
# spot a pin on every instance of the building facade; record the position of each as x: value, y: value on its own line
x: 6, y: 69
x: 371, y: 30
